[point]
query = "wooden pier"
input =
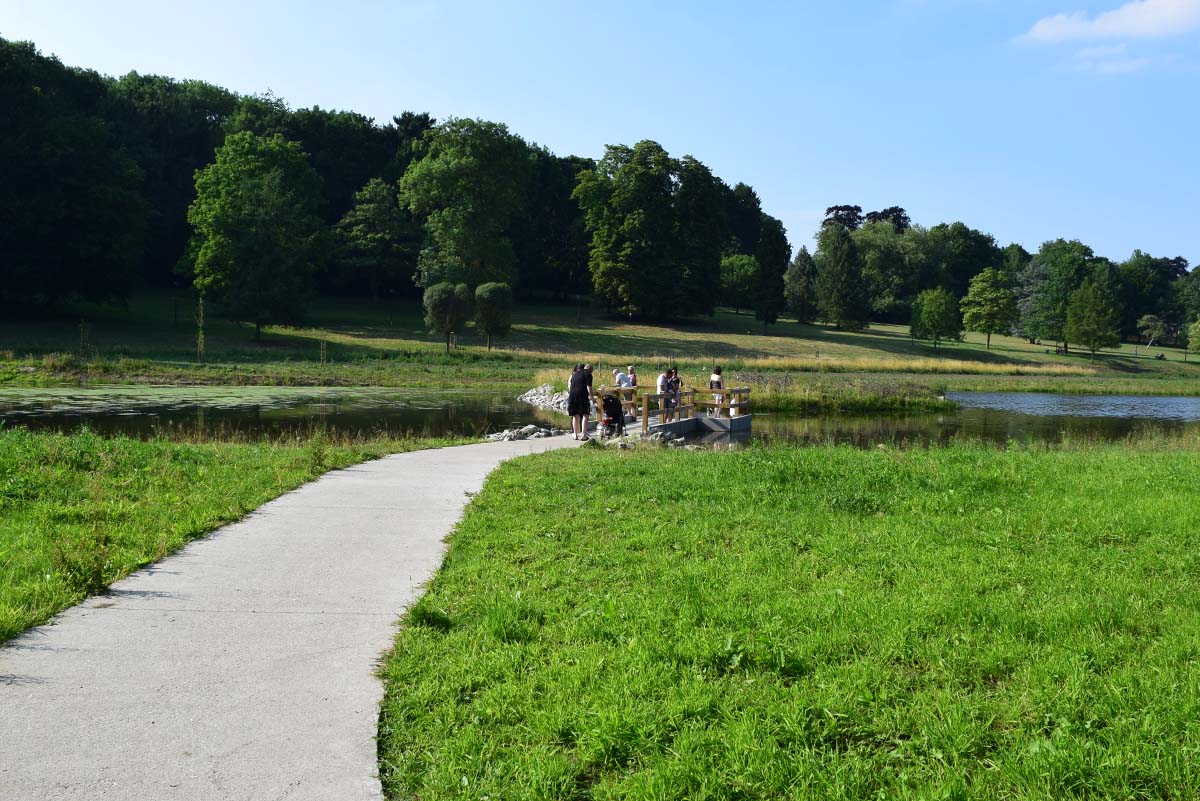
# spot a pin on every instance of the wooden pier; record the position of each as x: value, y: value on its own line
x: 689, y: 411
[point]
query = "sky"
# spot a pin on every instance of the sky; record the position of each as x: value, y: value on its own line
x: 1028, y: 119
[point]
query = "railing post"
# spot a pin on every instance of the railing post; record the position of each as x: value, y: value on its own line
x: 645, y: 413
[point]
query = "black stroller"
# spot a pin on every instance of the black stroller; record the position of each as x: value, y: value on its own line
x: 612, y: 419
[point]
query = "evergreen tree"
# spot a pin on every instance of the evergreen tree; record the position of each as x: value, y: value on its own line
x: 798, y: 289
x: 379, y: 239
x: 990, y: 306
x: 842, y: 297
x: 772, y: 256
x: 700, y: 233
x: 1092, y: 317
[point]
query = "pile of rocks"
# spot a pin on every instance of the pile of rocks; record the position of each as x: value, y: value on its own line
x: 655, y: 438
x: 544, y: 397
x: 525, y: 432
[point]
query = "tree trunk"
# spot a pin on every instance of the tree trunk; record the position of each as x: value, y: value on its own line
x: 257, y: 331
x: 489, y: 343
x: 989, y: 341
x: 447, y: 342
x: 200, y: 329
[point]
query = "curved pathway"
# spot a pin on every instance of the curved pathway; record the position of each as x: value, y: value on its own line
x: 241, y: 668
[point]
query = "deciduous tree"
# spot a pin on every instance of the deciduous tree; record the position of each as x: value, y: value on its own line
x: 935, y: 316
x: 990, y: 306
x: 1092, y: 318
x: 493, y: 310
x: 256, y: 230
x: 469, y: 184
x: 771, y: 256
x: 447, y: 308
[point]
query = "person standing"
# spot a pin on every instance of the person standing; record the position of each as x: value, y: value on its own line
x: 632, y: 376
x: 716, y: 381
x: 620, y: 379
x: 579, y: 402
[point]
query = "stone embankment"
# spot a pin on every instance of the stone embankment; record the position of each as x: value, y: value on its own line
x: 545, y: 397
x: 525, y: 432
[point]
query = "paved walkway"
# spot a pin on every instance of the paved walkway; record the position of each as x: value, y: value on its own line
x: 241, y: 668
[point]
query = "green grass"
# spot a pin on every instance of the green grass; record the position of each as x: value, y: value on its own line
x: 810, y: 623
x: 80, y: 511
x: 387, y: 345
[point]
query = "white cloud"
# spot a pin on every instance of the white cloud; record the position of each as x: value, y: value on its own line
x: 1138, y: 19
x: 1109, y: 60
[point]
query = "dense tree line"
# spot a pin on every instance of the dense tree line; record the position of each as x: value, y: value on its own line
x: 881, y: 267
x: 112, y: 183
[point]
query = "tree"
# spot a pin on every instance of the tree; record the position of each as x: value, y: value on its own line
x: 447, y: 308
x: 493, y: 310
x: 551, y: 238
x: 627, y: 203
x: 256, y: 230
x: 798, y: 289
x: 957, y: 253
x: 1152, y: 328
x: 1092, y: 318
x: 1192, y: 336
x: 1062, y: 267
x: 700, y: 233
x: 885, y: 268
x: 72, y: 218
x: 738, y: 274
x: 990, y: 306
x: 842, y: 297
x: 171, y: 129
x: 379, y: 240
x: 935, y: 316
x: 743, y: 212
x: 850, y: 217
x: 895, y: 215
x: 470, y: 185
x: 772, y: 256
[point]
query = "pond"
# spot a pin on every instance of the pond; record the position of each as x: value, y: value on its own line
x: 997, y: 417
x: 141, y: 411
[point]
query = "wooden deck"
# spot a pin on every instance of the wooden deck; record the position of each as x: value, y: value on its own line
x: 689, y: 411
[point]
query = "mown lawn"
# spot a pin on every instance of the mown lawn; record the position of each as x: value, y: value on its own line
x: 810, y: 623
x: 387, y: 344
x: 79, y: 511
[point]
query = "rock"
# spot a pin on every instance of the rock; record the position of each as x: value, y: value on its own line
x: 544, y: 397
x: 524, y: 432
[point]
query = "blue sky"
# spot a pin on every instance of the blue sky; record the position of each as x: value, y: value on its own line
x: 1029, y: 119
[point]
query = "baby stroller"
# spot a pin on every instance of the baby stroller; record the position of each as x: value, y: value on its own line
x: 612, y: 420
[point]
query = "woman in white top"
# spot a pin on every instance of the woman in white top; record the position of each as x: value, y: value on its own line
x: 716, y: 381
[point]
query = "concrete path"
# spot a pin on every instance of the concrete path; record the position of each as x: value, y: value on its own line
x: 241, y: 668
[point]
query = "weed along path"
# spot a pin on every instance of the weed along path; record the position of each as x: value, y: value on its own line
x: 244, y: 666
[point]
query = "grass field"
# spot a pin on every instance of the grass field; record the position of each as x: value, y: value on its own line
x: 386, y: 345
x: 80, y: 511
x: 811, y: 623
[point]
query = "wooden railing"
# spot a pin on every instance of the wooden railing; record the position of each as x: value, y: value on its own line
x: 735, y: 401
x: 672, y: 406
x: 669, y: 406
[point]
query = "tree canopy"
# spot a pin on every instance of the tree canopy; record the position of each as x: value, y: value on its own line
x: 990, y: 306
x: 256, y: 233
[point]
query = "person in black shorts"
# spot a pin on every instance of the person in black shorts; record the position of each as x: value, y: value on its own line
x: 579, y: 401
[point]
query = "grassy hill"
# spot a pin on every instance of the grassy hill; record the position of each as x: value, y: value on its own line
x: 153, y: 341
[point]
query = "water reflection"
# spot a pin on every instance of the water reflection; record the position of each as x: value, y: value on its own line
x: 995, y: 417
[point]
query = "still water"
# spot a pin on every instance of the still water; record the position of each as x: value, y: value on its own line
x: 997, y: 417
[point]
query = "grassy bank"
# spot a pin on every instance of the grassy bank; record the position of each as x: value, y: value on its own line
x: 359, y: 344
x: 80, y: 511
x: 961, y: 622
